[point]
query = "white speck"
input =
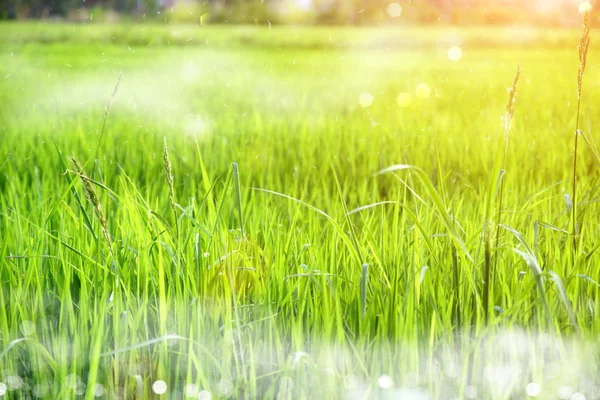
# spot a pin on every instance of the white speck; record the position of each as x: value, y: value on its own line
x: 578, y: 396
x: 205, y: 255
x: 365, y: 99
x: 455, y: 53
x: 159, y: 387
x: 384, y: 381
x: 394, y: 10
x: 204, y: 395
x: 191, y: 390
x: 532, y: 389
x: 2, y: 389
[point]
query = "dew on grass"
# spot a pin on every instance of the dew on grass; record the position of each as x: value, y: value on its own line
x: 204, y: 395
x: 190, y: 390
x: 159, y: 387
x: 27, y: 328
x: 365, y: 100
x: 564, y: 392
x: 79, y: 388
x: 451, y: 369
x: 286, y: 384
x: 14, y: 382
x: 98, y: 390
x: 225, y: 387
x: 471, y: 392
x: 71, y: 381
x: 40, y: 390
x: 423, y: 90
x: 394, y: 10
x: 403, y: 100
x: 455, y: 53
x: 384, y: 381
x: 532, y: 389
x: 351, y: 382
x: 298, y: 356
x: 3, y: 388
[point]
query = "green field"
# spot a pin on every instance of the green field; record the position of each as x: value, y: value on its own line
x: 267, y: 276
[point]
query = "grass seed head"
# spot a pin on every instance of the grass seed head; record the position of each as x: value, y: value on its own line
x: 512, y: 100
x: 168, y: 174
x: 584, y: 43
x: 92, y: 196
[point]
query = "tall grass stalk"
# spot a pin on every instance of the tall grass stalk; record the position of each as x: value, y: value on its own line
x: 584, y: 43
x: 497, y: 185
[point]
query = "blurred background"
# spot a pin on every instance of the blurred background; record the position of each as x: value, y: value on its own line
x: 327, y: 12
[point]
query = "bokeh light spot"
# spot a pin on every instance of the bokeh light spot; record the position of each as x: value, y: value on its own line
x: 365, y: 100
x: 455, y: 53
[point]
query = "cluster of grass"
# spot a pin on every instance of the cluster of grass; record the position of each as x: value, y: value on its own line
x: 227, y: 234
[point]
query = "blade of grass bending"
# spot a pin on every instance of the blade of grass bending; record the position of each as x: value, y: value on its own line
x: 347, y: 215
x: 563, y: 297
x: 364, y: 280
x: 436, y: 200
x: 534, y: 266
x: 412, y: 215
x: 238, y: 196
x: 107, y: 111
x: 86, y: 219
x: 347, y: 241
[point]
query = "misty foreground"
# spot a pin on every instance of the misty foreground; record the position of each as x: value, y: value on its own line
x: 128, y: 270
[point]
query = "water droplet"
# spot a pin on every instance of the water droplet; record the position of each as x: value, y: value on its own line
x: 394, y: 10
x: 384, y: 381
x: 225, y: 387
x: 471, y: 392
x: 365, y: 99
x: 404, y: 100
x: 423, y: 90
x: 14, y: 382
x: 455, y: 53
x: 564, y: 392
x: 28, y: 328
x: 98, y: 389
x: 159, y: 387
x: 191, y: 390
x: 204, y: 395
x: 533, y: 389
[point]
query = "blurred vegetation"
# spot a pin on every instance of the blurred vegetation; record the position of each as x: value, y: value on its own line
x: 326, y: 12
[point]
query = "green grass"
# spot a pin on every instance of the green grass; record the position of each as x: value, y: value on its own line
x: 263, y: 280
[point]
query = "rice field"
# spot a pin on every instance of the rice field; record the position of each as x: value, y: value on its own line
x: 287, y: 212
